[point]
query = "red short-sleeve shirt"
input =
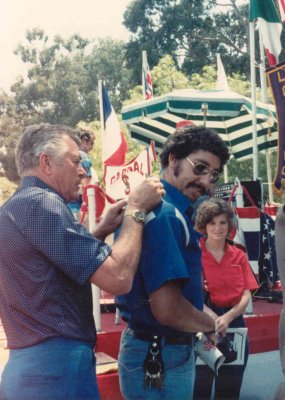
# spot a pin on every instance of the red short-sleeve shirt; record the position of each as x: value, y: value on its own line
x: 227, y: 279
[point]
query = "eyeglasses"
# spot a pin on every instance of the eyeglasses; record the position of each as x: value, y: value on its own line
x: 199, y: 168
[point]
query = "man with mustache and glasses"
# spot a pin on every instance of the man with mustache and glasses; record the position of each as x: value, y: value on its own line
x: 164, y: 307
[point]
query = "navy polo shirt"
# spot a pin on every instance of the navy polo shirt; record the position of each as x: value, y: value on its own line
x: 46, y: 261
x: 170, y: 251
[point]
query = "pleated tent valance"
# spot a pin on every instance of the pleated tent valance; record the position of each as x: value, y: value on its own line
x: 226, y: 112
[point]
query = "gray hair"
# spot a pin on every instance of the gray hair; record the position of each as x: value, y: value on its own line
x: 42, y: 138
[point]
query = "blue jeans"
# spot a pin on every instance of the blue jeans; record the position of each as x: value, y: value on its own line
x: 178, y: 370
x: 56, y: 369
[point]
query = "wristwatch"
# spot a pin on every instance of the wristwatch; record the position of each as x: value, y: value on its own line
x: 139, y: 216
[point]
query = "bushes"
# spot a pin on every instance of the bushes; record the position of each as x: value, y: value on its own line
x: 7, y: 188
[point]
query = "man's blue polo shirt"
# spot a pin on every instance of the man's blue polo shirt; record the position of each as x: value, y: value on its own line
x: 170, y: 251
x: 46, y: 261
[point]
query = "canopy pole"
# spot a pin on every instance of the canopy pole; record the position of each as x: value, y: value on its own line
x: 269, y: 175
x: 253, y: 99
x: 102, y: 127
x: 204, y: 111
x: 264, y: 98
x: 226, y: 174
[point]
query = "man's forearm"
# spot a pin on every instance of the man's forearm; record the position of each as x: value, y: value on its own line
x: 172, y: 309
x: 127, y: 248
x: 190, y: 319
x: 115, y: 275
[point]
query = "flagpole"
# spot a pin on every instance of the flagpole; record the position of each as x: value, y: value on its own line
x: 264, y: 98
x: 95, y: 290
x: 92, y: 223
x: 100, y: 82
x: 144, y: 62
x: 222, y: 84
x: 253, y: 98
x: 147, y: 88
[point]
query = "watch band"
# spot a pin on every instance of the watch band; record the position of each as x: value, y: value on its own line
x: 138, y: 215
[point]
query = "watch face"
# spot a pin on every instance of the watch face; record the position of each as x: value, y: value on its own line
x: 140, y: 216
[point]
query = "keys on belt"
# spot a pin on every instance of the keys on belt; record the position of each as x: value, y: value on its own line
x: 153, y: 365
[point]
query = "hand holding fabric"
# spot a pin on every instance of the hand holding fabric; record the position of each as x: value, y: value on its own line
x: 146, y: 195
x: 111, y: 220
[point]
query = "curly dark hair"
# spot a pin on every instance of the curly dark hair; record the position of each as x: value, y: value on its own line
x: 84, y: 134
x: 189, y: 139
x: 210, y: 209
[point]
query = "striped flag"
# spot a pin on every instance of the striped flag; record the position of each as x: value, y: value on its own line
x: 151, y: 154
x: 281, y: 4
x: 269, y: 25
x: 113, y: 141
x: 146, y: 78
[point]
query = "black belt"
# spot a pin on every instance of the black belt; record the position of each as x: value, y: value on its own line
x: 148, y: 337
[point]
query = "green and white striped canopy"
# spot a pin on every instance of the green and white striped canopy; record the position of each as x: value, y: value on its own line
x: 227, y: 112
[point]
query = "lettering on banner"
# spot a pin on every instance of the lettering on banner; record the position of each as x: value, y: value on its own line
x: 280, y: 79
x: 135, y: 167
x: 125, y: 179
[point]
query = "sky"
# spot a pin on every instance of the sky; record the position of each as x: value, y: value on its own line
x: 89, y: 18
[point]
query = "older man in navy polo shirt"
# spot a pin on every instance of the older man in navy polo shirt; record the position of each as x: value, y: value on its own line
x: 48, y: 262
x: 164, y: 309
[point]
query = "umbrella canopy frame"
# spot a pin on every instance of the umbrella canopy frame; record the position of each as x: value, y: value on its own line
x: 227, y: 112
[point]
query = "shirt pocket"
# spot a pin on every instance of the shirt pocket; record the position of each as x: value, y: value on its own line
x: 236, y: 278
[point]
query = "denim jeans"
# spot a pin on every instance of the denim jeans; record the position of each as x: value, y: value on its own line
x: 56, y: 369
x: 178, y: 370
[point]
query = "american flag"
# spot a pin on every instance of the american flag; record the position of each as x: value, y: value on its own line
x: 267, y: 256
x: 146, y: 78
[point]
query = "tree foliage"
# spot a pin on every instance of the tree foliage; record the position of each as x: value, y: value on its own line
x: 165, y: 77
x: 193, y: 32
x: 182, y: 39
x: 63, y: 76
x: 7, y: 188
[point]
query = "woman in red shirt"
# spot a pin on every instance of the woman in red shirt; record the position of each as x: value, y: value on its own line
x: 228, y: 280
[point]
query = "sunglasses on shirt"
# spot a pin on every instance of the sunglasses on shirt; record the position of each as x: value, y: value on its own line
x: 199, y: 168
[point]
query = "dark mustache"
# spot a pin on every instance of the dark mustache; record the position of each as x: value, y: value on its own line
x: 200, y: 188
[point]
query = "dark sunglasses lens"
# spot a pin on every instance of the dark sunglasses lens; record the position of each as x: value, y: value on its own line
x: 203, y: 169
x: 215, y: 177
x: 200, y: 169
